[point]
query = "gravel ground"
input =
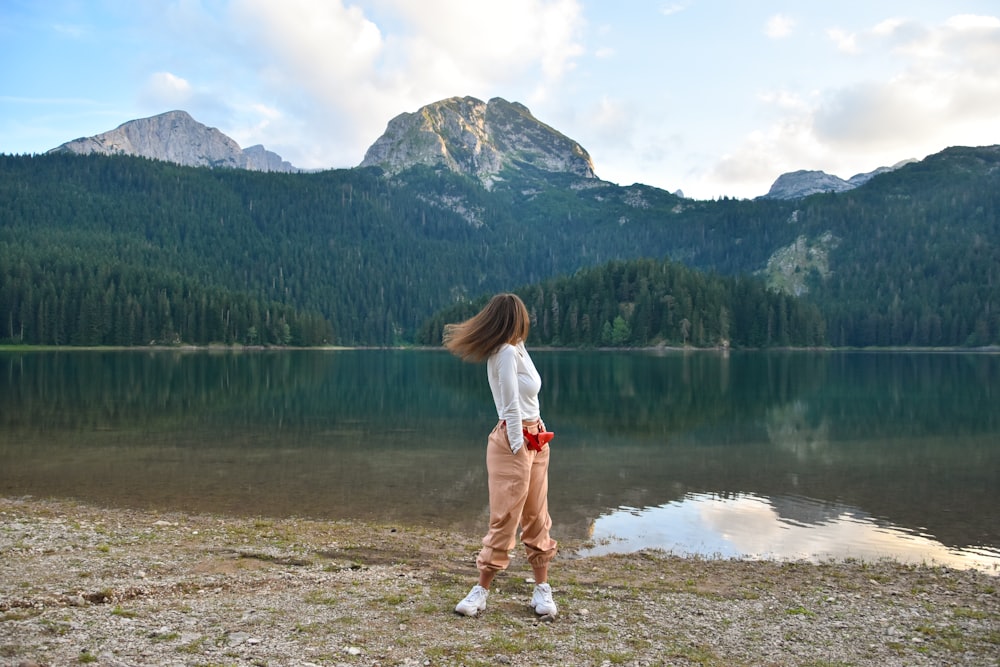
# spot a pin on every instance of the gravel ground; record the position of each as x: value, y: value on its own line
x: 83, y: 584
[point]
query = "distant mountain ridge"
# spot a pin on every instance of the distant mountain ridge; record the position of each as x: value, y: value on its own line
x: 802, y: 183
x: 478, y: 139
x: 176, y: 137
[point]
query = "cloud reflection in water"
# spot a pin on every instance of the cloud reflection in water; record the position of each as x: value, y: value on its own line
x: 782, y: 528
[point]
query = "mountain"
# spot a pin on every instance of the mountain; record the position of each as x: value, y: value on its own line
x: 177, y: 137
x: 486, y: 141
x: 461, y: 199
x: 802, y: 183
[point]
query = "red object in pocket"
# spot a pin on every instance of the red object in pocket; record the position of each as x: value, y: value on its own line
x: 537, y: 442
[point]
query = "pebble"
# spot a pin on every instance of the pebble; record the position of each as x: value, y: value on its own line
x: 212, y: 627
x: 161, y: 632
x: 237, y: 638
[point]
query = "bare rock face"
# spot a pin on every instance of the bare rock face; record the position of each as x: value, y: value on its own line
x: 259, y: 158
x: 177, y: 137
x: 477, y: 139
x: 798, y: 184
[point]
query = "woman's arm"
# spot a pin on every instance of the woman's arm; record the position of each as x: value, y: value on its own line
x: 508, y: 400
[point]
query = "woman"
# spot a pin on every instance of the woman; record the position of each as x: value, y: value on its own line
x: 518, y: 473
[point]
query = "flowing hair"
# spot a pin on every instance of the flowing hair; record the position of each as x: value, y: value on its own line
x: 503, y: 320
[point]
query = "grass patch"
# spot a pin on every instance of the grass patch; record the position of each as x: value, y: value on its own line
x: 10, y: 650
x: 949, y: 638
x: 194, y: 646
x: 55, y: 628
x: 799, y: 611
x: 124, y: 613
x: 504, y: 644
x: 696, y: 655
x: 965, y: 612
x: 20, y: 615
x: 320, y: 597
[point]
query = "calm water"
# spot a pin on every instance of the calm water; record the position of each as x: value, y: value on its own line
x: 759, y: 455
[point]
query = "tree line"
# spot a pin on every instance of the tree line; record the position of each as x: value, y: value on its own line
x: 644, y: 302
x: 55, y: 299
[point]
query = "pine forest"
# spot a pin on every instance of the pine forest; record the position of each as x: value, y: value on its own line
x: 122, y: 251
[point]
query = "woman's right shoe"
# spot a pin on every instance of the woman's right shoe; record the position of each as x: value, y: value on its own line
x: 474, y: 602
x: 542, y: 602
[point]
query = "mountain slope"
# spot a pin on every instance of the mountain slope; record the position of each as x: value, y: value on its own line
x: 177, y: 137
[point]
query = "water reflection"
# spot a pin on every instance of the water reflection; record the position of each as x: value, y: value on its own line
x: 783, y: 528
x: 913, y: 439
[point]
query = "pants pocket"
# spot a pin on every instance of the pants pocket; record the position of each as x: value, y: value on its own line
x: 500, y: 439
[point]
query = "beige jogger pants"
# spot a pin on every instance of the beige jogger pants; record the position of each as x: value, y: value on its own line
x: 519, y: 488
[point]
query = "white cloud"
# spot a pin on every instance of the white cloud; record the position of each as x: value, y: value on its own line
x: 947, y: 82
x: 845, y: 41
x: 942, y: 89
x: 779, y: 26
x: 667, y: 10
x: 330, y: 65
x: 494, y: 42
x: 973, y: 22
x: 888, y: 26
x: 609, y: 118
x: 167, y: 91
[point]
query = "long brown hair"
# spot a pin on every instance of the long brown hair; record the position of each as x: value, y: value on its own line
x: 503, y: 320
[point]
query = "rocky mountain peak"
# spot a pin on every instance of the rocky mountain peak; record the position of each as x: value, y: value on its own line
x: 802, y: 183
x: 176, y: 137
x: 478, y: 139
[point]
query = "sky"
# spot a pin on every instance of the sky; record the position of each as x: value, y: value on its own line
x: 716, y: 98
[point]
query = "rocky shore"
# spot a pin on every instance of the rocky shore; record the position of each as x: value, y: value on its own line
x: 82, y: 584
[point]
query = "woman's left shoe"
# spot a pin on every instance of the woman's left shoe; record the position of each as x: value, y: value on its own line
x: 542, y: 602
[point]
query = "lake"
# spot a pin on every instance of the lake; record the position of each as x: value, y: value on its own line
x: 784, y: 455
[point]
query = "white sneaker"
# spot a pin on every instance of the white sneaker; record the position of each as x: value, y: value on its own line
x: 542, y: 602
x: 474, y: 602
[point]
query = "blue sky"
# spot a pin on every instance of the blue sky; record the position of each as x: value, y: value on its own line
x: 712, y: 97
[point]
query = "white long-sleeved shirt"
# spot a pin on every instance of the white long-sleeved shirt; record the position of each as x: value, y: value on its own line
x: 515, y: 384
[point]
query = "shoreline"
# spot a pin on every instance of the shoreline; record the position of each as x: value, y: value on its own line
x: 84, y: 583
x: 718, y: 349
